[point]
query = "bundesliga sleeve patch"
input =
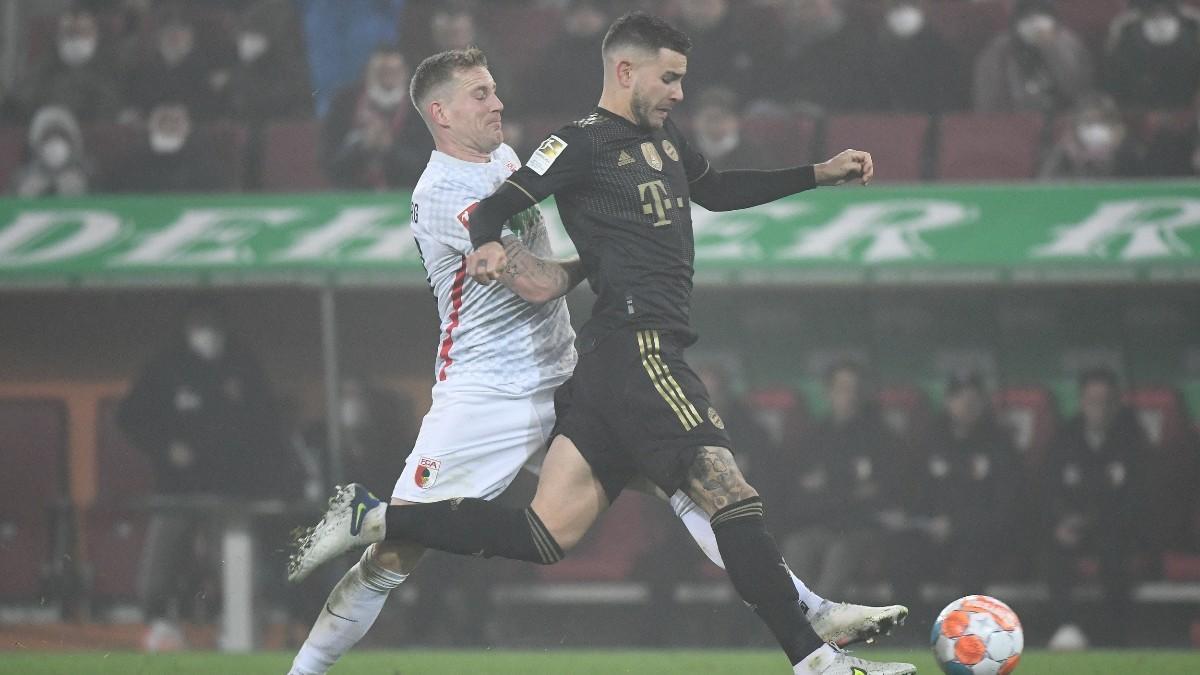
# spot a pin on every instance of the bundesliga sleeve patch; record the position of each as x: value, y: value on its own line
x: 545, y: 155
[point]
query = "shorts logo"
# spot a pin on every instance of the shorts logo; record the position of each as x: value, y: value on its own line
x: 651, y: 155
x: 669, y: 149
x: 427, y: 472
x: 545, y: 154
x: 715, y: 418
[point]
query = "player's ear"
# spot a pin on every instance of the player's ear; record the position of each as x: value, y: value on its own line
x: 437, y: 113
x: 624, y: 70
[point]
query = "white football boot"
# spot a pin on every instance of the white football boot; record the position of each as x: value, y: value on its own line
x: 833, y: 661
x: 354, y: 519
x: 844, y: 624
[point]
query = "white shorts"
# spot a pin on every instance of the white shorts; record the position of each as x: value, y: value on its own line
x: 473, y: 444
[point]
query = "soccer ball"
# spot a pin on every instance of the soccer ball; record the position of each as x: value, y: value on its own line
x: 977, y: 635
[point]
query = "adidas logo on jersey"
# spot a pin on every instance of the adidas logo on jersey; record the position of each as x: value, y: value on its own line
x: 624, y: 158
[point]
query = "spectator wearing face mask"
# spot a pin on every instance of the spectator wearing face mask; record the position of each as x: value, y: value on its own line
x: 818, y: 54
x: 203, y: 412
x: 915, y: 69
x: 373, y: 138
x: 172, y: 158
x: 340, y: 36
x: 57, y: 166
x: 1153, y: 55
x: 1095, y: 144
x: 77, y: 74
x: 716, y: 131
x: 269, y: 80
x: 1037, y: 64
x: 174, y: 64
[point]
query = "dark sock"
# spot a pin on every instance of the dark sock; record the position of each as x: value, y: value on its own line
x: 474, y: 527
x: 760, y: 576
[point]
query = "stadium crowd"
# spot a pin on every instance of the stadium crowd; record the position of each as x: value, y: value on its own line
x: 172, y: 95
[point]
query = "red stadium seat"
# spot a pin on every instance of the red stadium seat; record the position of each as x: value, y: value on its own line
x: 1163, y: 414
x: 995, y: 146
x: 33, y: 437
x: 12, y: 149
x: 291, y: 157
x: 896, y: 142
x: 782, y: 411
x: 1032, y: 414
x: 787, y: 140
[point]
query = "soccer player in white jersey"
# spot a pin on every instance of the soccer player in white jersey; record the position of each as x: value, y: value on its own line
x: 504, y: 349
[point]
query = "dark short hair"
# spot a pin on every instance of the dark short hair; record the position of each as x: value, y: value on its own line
x: 441, y: 67
x: 1102, y: 374
x: 645, y: 31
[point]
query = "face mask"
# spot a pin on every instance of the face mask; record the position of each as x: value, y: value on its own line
x: 165, y: 143
x: 715, y: 148
x: 208, y: 343
x: 905, y: 21
x: 1032, y: 26
x: 385, y: 98
x: 251, y: 46
x: 55, y: 152
x: 1161, y: 30
x: 1097, y: 136
x: 76, y: 51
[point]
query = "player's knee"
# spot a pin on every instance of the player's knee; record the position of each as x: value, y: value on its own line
x: 395, y: 556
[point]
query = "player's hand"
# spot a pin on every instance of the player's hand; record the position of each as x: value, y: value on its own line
x: 846, y: 165
x: 487, y: 262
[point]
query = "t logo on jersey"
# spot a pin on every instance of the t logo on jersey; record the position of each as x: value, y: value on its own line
x: 655, y: 201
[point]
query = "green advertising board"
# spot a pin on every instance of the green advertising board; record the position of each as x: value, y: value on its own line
x: 1027, y: 233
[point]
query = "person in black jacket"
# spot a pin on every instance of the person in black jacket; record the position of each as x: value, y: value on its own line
x: 1093, y: 499
x: 838, y: 492
x: 373, y: 139
x: 963, y: 491
x: 203, y: 412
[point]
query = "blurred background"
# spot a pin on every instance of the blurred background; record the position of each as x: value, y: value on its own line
x: 981, y: 374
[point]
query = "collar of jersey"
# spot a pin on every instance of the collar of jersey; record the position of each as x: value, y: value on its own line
x: 610, y: 114
x: 442, y: 158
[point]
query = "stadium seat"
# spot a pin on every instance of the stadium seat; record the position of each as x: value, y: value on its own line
x: 1172, y: 467
x: 12, y: 146
x: 1163, y: 414
x: 229, y: 139
x: 897, y: 142
x: 110, y: 146
x: 1032, y: 414
x: 787, y: 140
x: 782, y: 411
x: 996, y: 146
x: 291, y: 157
x: 33, y: 438
x: 110, y: 531
x: 613, y: 548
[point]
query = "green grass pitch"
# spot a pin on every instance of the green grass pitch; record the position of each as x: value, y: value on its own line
x: 426, y: 662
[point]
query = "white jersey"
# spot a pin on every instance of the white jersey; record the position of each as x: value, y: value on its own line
x: 490, y: 337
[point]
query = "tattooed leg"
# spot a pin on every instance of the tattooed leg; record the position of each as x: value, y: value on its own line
x: 715, y: 482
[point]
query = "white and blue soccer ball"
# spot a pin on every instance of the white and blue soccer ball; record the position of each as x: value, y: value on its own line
x: 977, y: 635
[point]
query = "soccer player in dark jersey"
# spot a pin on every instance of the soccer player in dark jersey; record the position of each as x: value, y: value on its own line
x: 624, y: 178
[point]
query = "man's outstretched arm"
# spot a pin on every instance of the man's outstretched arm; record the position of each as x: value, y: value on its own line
x: 733, y: 190
x: 536, y: 279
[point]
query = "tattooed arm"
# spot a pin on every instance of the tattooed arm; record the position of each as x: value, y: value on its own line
x: 535, y: 279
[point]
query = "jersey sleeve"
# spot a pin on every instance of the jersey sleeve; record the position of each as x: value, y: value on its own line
x: 444, y: 215
x: 560, y: 162
x: 695, y: 165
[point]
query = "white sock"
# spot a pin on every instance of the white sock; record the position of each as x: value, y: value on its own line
x: 353, y: 605
x: 816, y: 662
x: 697, y: 523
